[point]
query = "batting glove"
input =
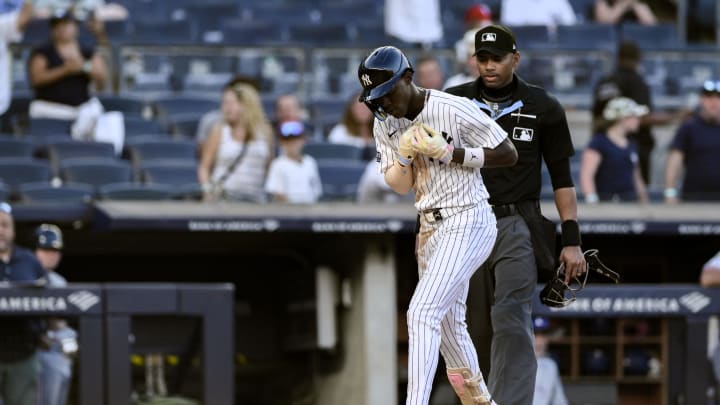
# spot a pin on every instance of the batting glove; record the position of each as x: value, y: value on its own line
x: 406, y: 153
x: 431, y: 143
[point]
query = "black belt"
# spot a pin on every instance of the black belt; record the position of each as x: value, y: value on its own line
x: 505, y: 210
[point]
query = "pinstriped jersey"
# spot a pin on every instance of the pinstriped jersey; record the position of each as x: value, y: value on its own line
x: 461, y: 123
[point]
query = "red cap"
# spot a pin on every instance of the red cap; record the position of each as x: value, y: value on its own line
x: 478, y: 12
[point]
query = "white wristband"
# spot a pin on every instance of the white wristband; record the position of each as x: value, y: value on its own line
x: 670, y: 193
x: 474, y: 157
x: 591, y: 198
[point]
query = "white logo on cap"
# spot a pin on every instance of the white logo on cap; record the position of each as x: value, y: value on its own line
x: 488, y: 37
x: 366, y: 80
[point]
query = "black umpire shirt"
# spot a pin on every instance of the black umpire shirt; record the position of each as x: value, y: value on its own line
x: 536, y: 123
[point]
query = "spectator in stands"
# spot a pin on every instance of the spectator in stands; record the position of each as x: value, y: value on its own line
x: 293, y: 176
x: 414, y: 21
x: 12, y: 24
x: 477, y: 16
x: 60, y: 341
x: 288, y: 108
x: 238, y: 151
x: 356, y: 125
x: 469, y: 70
x: 548, y: 386
x: 621, y: 11
x: 550, y: 13
x: 211, y: 118
x: 60, y: 73
x: 609, y: 170
x: 428, y: 72
x: 696, y: 147
x: 627, y: 81
x: 20, y: 336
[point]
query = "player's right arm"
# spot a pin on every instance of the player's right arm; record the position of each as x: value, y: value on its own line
x: 398, y: 176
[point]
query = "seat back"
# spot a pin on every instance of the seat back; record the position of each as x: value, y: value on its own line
x: 340, y: 179
x: 95, y: 171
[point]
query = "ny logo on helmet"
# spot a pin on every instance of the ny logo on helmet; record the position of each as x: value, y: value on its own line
x: 366, y: 80
x: 488, y: 37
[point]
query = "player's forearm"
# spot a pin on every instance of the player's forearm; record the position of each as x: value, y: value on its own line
x: 502, y: 155
x: 566, y: 203
x: 399, y: 178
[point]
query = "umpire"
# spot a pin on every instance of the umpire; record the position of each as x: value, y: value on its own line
x: 536, y: 123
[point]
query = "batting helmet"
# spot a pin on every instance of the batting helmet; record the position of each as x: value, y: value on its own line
x: 378, y: 73
x: 49, y: 237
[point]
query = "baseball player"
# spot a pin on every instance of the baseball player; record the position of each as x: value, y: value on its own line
x: 435, y: 143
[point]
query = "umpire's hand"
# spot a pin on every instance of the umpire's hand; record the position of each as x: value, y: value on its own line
x: 574, y: 260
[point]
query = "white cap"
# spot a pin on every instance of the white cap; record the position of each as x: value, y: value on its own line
x: 623, y: 107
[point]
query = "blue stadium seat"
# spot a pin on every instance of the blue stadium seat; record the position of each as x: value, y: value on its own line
x: 176, y: 173
x: 142, y: 152
x: 531, y: 36
x: 324, y: 150
x: 250, y: 33
x: 61, y: 151
x: 47, y: 193
x: 95, y: 171
x: 289, y: 13
x: 182, y: 175
x: 206, y: 16
x: 167, y: 107
x: 136, y: 191
x: 127, y: 105
x: 162, y: 33
x: 651, y: 37
x: 11, y: 147
x: 587, y: 37
x: 343, y: 12
x: 185, y: 125
x: 319, y: 35
x: 4, y: 192
x: 15, y: 171
x: 138, y: 126
x: 48, y: 127
x: 340, y: 178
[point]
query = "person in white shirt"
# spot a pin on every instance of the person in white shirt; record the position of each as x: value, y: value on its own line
x: 537, y: 12
x: 355, y: 126
x: 12, y: 24
x: 293, y: 176
x: 548, y: 386
x: 414, y: 21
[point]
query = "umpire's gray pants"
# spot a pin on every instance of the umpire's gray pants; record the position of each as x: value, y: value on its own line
x: 502, y: 331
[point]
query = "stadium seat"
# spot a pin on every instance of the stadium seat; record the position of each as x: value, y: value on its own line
x: 63, y: 150
x: 142, y: 152
x: 46, y: 192
x: 185, y: 125
x: 340, y: 12
x: 325, y: 150
x: 340, y: 178
x: 170, y: 106
x: 95, y: 171
x: 48, y: 127
x: 587, y: 37
x: 15, y: 148
x: 182, y: 175
x: 138, y: 126
x: 15, y: 171
x: 4, y: 192
x: 253, y: 33
x: 127, y: 105
x: 136, y: 191
x: 206, y: 16
x: 651, y: 37
x: 162, y: 33
x: 319, y: 35
x: 287, y: 13
x: 531, y: 36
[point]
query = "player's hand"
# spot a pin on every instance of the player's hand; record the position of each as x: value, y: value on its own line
x: 431, y: 143
x: 406, y: 153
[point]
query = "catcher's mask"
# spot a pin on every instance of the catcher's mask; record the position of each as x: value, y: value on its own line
x: 558, y: 294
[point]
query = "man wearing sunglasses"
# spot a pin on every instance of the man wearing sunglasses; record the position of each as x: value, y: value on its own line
x: 696, y: 147
x: 20, y: 336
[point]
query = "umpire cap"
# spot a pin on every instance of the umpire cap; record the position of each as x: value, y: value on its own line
x: 499, y: 40
x: 48, y: 237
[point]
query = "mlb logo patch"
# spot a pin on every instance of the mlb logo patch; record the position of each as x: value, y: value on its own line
x: 488, y: 37
x: 522, y: 134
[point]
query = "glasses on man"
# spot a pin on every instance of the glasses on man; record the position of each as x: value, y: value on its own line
x: 711, y: 87
x: 5, y: 207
